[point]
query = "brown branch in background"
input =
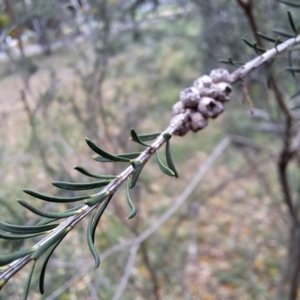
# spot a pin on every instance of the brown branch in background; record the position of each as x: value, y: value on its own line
x: 246, y: 96
x: 153, y: 275
x: 292, y: 274
x: 285, y: 155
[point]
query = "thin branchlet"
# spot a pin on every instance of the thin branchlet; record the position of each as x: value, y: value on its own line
x: 182, y: 121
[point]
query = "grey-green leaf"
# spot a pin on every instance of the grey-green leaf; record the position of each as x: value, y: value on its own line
x: 164, y: 168
x: 96, y: 199
x: 130, y: 202
x: 284, y: 34
x: 288, y: 3
x: 27, y: 286
x: 45, y: 221
x: 87, y: 173
x: 296, y: 70
x: 51, y: 241
x: 292, y: 24
x: 267, y: 38
x: 8, y: 258
x: 52, y: 198
x: 136, y: 138
x: 148, y: 137
x: 90, y: 242
x: 290, y: 63
x: 103, y: 153
x: 169, y: 158
x: 296, y: 94
x: 231, y: 62
x: 44, y: 266
x: 128, y: 156
x: 6, y: 236
x: 26, y: 229
x: 135, y: 176
x: 51, y: 215
x: 98, y: 215
x: 80, y: 186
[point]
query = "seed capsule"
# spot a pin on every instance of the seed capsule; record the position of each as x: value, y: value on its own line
x: 198, y: 122
x: 178, y: 108
x: 220, y: 75
x: 223, y: 91
x: 203, y: 81
x: 210, y: 108
x: 190, y: 97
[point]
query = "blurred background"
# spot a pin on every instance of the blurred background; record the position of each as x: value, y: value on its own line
x: 96, y: 68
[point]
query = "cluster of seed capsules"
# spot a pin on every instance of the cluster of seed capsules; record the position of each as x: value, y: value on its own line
x: 205, y: 99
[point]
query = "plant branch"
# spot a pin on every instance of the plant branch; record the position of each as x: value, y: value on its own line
x: 175, y: 124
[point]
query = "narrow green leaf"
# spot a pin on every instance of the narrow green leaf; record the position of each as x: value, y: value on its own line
x: 26, y: 229
x: 128, y: 156
x: 136, y: 163
x: 284, y: 34
x: 135, y: 176
x: 27, y: 286
x: 90, y: 242
x: 269, y: 67
x: 247, y: 43
x: 130, y: 202
x: 296, y: 94
x: 96, y: 199
x: 277, y: 42
x: 136, y: 138
x: 292, y: 4
x: 6, y: 236
x: 231, y: 62
x: 52, y: 198
x: 290, y: 63
x: 44, y: 266
x: 254, y: 46
x: 51, y: 215
x: 87, y: 173
x: 258, y: 50
x: 45, y: 221
x: 267, y: 38
x: 296, y: 70
x: 164, y: 168
x: 103, y: 153
x: 169, y: 159
x: 80, y: 186
x: 51, y: 241
x: 148, y: 137
x: 98, y: 215
x: 292, y: 24
x: 167, y: 136
x: 296, y: 107
x: 8, y: 258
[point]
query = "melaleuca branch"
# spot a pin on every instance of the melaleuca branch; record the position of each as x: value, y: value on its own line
x: 196, y: 105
